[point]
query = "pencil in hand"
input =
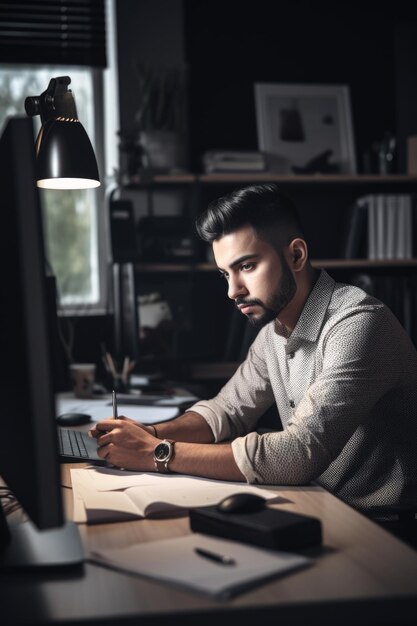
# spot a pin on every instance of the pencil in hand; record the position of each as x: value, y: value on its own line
x: 114, y: 400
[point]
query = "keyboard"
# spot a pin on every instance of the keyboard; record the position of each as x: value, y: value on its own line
x: 76, y: 445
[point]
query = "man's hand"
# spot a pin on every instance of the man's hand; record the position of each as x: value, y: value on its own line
x: 125, y: 443
x: 130, y: 445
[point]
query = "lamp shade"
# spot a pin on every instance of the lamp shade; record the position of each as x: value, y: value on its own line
x: 65, y: 156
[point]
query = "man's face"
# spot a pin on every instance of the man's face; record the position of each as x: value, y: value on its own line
x: 259, y: 279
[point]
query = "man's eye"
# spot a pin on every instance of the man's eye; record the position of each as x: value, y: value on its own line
x: 245, y: 267
x: 224, y: 275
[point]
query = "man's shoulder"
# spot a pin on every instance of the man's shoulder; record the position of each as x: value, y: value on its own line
x: 349, y: 297
x: 353, y: 310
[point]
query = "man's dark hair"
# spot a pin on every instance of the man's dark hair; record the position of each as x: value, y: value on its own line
x: 271, y: 214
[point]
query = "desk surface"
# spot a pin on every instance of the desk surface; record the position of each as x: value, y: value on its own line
x: 362, y: 575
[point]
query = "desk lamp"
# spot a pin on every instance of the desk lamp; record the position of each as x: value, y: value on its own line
x: 64, y: 155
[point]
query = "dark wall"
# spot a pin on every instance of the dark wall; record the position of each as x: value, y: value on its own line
x: 231, y: 45
x: 149, y: 31
x: 228, y: 45
x: 406, y: 85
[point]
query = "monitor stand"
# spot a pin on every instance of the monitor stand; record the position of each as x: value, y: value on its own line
x: 23, y: 546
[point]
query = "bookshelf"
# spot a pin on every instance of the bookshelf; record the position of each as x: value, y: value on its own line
x: 324, y: 263
x: 316, y: 179
x: 324, y: 197
x: 201, y: 311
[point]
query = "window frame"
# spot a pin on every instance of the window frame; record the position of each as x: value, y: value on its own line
x: 102, y: 229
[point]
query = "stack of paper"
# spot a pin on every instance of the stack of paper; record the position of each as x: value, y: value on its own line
x: 178, y: 562
x: 103, y: 494
x: 233, y: 161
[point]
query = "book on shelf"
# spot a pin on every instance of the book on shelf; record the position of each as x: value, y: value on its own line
x: 103, y: 494
x: 233, y: 161
x: 381, y: 227
x: 356, y: 238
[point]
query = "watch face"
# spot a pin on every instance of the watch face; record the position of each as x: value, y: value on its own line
x: 162, y: 451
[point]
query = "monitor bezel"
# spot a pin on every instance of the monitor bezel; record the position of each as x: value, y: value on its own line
x: 29, y: 460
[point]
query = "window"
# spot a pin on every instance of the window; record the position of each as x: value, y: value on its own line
x: 73, y: 34
x: 71, y: 218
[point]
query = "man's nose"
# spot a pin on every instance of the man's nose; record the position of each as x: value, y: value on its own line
x: 236, y: 288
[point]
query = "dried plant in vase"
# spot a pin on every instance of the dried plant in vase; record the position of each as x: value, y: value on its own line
x: 160, y: 119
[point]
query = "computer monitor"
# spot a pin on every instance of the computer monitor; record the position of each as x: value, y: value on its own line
x: 29, y: 462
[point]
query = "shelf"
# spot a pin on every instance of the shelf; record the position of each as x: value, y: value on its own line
x: 161, y: 180
x: 296, y: 179
x: 191, y: 286
x: 175, y: 267
x: 324, y: 263
x: 253, y: 177
x: 364, y: 263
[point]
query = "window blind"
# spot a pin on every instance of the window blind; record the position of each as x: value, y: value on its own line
x: 53, y: 32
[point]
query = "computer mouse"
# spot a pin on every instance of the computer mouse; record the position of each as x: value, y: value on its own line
x: 73, y: 419
x: 241, y: 503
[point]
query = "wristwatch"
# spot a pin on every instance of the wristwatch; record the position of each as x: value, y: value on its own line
x: 163, y: 454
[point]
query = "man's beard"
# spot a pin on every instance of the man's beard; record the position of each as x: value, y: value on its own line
x: 277, y: 301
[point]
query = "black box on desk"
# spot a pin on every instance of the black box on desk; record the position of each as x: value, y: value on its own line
x: 268, y: 528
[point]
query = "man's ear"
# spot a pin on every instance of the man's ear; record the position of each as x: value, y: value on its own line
x: 298, y: 254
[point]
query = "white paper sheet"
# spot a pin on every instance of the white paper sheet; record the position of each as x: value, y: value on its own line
x: 175, y: 561
x: 103, y: 494
x: 100, y: 409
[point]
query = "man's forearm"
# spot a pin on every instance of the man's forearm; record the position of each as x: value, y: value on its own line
x: 210, y: 461
x: 190, y: 427
x: 125, y: 443
x: 189, y: 431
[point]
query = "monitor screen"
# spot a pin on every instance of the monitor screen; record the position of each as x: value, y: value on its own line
x: 29, y: 462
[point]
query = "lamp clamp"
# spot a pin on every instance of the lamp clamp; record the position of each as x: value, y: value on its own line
x: 56, y: 101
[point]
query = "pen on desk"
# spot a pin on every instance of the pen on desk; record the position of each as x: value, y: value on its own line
x: 222, y: 559
x: 114, y: 400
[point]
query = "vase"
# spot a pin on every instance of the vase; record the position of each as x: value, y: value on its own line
x: 164, y: 151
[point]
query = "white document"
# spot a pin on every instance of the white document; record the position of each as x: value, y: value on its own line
x: 175, y: 561
x: 102, y: 408
x: 105, y: 495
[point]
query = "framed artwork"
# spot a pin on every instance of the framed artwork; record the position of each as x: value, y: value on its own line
x: 305, y: 129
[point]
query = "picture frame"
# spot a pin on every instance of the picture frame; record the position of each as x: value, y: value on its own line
x: 305, y: 129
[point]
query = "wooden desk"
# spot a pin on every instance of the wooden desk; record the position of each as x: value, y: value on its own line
x: 362, y: 575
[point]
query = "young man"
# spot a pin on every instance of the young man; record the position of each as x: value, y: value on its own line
x: 335, y: 361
